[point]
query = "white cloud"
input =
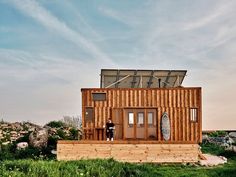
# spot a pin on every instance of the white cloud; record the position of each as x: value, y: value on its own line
x: 33, y: 9
x: 119, y: 16
x: 42, y: 87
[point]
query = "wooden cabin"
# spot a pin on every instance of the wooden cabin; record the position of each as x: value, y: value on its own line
x: 156, y: 118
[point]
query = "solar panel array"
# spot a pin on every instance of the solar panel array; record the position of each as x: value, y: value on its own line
x: 124, y: 78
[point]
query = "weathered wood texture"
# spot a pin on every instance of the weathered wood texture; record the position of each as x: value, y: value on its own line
x: 175, y: 101
x: 141, y: 152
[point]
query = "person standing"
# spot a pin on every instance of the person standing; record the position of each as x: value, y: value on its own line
x: 110, y: 126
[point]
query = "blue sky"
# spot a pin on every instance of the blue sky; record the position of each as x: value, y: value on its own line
x: 50, y: 49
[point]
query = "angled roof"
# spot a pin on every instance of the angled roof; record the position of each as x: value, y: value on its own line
x: 126, y: 78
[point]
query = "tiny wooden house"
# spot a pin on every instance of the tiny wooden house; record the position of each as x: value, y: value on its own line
x: 136, y: 100
x: 156, y: 119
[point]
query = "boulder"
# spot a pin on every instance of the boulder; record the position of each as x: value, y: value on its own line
x: 229, y: 140
x: 232, y: 134
x: 205, y: 138
x: 217, y: 140
x: 234, y: 148
x: 39, y: 138
x: 212, y: 160
x: 54, y: 152
x: 22, y: 145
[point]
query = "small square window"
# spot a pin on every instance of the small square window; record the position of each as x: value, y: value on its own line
x: 193, y: 114
x: 99, y: 96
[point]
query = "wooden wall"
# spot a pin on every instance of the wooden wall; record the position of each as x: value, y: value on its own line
x: 175, y: 101
x: 127, y: 152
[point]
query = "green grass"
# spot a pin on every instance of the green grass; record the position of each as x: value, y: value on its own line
x: 212, y: 149
x: 108, y: 168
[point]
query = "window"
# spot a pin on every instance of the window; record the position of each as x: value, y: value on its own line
x: 150, y: 119
x: 130, y: 119
x: 193, y: 114
x: 89, y: 114
x: 140, y: 120
x: 99, y: 96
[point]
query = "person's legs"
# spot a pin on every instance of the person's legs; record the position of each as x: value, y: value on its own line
x: 107, y: 135
x: 111, y: 136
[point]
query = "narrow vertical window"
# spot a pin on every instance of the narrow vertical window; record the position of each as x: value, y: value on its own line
x: 130, y: 119
x: 193, y: 114
x: 140, y: 121
x: 150, y: 119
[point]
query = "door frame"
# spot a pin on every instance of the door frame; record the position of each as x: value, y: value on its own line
x: 146, y: 127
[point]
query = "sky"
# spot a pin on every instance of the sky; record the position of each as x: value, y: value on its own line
x: 50, y: 49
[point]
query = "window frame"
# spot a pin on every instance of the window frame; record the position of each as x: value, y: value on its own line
x: 130, y: 125
x: 89, y: 114
x: 101, y: 93
x: 150, y: 124
x: 138, y: 124
x: 193, y: 115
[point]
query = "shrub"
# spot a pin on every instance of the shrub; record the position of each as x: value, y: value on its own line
x: 55, y: 124
x: 212, y: 148
x: 217, y: 133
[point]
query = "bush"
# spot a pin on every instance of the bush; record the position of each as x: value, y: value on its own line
x: 9, y: 152
x: 217, y: 134
x: 212, y: 148
x: 55, y: 124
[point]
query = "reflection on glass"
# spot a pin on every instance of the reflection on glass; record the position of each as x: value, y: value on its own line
x: 150, y: 119
x: 131, y: 119
x: 140, y: 120
x: 193, y: 114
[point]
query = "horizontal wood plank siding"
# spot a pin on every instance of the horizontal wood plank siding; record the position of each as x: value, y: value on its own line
x: 128, y: 152
x: 175, y: 101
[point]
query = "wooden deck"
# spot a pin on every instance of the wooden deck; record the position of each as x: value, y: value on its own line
x: 128, y: 151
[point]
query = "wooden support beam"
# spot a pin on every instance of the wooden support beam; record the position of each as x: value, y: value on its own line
x: 117, y: 81
x: 117, y: 78
x: 167, y: 79
x: 150, y: 79
x: 134, y: 79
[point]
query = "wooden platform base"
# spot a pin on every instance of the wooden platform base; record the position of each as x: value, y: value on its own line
x: 123, y: 151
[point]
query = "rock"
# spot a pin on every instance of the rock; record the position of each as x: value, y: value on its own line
x: 22, y: 145
x: 205, y: 138
x: 234, y: 148
x: 229, y: 140
x: 54, y: 152
x: 217, y: 140
x: 232, y: 134
x: 6, y: 143
x: 212, y: 160
x: 39, y: 138
x: 225, y: 145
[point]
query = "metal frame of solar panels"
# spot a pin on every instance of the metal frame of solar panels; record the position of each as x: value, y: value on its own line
x: 125, y: 78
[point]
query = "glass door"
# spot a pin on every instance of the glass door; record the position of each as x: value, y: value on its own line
x: 151, y: 124
x: 129, y: 124
x: 140, y: 123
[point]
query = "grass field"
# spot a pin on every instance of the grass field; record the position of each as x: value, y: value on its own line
x: 107, y: 168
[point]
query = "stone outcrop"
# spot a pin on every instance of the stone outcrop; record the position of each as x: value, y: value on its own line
x: 22, y: 145
x: 39, y: 138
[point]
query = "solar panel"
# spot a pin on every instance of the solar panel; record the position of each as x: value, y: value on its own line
x: 124, y: 78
